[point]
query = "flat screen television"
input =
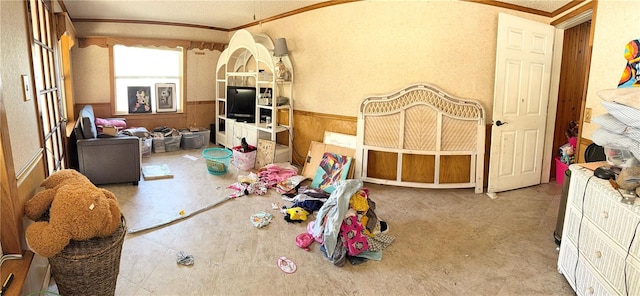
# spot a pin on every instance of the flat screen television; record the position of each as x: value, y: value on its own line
x: 241, y: 103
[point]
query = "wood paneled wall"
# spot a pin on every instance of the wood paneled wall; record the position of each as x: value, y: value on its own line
x: 582, y: 147
x: 310, y: 126
x: 576, y: 56
x: 198, y: 114
x: 201, y: 113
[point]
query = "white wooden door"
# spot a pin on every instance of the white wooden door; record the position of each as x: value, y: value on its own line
x: 521, y: 94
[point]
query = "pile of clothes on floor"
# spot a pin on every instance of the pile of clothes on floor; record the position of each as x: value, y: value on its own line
x: 345, y: 225
x: 276, y: 175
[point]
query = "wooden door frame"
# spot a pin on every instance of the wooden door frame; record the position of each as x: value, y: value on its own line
x: 11, y: 224
x: 582, y: 14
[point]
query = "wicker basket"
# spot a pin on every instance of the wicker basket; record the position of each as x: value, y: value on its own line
x: 89, y: 267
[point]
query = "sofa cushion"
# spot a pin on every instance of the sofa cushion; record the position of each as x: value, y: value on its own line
x: 77, y: 129
x: 88, y: 123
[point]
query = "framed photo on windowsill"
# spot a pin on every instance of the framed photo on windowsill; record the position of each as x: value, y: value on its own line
x: 165, y: 97
x: 139, y: 101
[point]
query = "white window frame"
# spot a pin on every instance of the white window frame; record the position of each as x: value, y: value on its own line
x: 149, y: 74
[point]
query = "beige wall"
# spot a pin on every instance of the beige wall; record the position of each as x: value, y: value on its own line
x: 90, y: 75
x: 201, y: 74
x: 343, y: 53
x: 616, y: 24
x: 91, y: 64
x: 15, y: 61
x: 22, y: 123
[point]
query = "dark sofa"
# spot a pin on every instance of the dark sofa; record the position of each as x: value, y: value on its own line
x: 105, y: 160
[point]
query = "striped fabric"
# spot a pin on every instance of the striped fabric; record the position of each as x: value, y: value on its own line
x: 627, y: 115
x: 610, y: 123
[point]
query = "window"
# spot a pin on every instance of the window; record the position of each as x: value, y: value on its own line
x: 140, y: 71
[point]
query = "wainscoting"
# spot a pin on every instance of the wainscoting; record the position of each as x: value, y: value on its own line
x: 199, y: 114
x: 308, y: 126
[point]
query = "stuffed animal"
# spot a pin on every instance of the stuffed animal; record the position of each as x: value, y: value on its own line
x: 296, y: 214
x: 567, y: 154
x: 78, y: 210
x: 629, y: 178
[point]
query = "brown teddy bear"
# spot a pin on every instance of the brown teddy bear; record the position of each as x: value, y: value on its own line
x: 78, y: 210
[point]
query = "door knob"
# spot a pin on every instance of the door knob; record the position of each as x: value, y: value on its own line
x: 499, y: 123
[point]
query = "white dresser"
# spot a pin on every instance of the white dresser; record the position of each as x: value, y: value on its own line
x: 597, y: 234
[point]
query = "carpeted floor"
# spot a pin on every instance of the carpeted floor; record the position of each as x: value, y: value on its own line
x: 447, y: 242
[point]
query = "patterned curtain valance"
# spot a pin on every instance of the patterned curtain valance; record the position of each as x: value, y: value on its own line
x: 107, y: 41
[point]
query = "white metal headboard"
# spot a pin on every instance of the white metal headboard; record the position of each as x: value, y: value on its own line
x: 422, y: 120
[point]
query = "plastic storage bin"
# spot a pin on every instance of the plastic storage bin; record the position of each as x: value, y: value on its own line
x: 145, y: 146
x: 244, y: 160
x: 166, y: 144
x: 217, y: 160
x: 194, y: 140
x: 620, y: 157
x: 172, y: 143
x: 158, y: 143
x: 561, y: 167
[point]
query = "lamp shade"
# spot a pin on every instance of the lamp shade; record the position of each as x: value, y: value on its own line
x: 280, y: 48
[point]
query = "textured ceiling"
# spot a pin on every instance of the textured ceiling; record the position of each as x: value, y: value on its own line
x: 544, y: 5
x: 219, y: 14
x: 222, y: 14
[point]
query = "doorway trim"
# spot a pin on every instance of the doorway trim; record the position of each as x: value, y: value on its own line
x: 579, y: 18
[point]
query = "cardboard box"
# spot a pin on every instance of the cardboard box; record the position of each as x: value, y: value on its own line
x: 110, y: 131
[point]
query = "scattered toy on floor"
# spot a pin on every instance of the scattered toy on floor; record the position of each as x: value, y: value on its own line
x: 286, y: 265
x: 257, y: 188
x: 261, y: 219
x: 304, y: 240
x: 184, y: 259
x: 296, y: 214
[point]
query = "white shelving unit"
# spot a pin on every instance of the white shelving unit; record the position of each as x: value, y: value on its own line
x: 248, y: 61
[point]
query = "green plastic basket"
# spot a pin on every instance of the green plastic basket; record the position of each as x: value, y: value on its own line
x: 217, y: 160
